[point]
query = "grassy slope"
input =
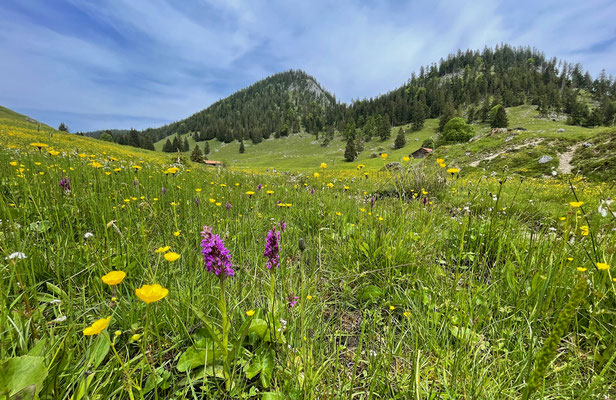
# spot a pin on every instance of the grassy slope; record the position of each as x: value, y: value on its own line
x: 302, y: 153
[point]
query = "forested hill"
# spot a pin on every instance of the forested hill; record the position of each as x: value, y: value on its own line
x: 467, y: 84
x: 470, y: 83
x: 278, y: 105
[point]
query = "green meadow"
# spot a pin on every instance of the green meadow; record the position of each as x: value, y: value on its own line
x: 420, y: 283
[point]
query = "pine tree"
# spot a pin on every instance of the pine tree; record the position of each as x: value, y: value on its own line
x: 242, y: 149
x: 63, y: 127
x: 498, y: 117
x: 196, y: 155
x: 385, y: 128
x: 176, y: 145
x: 206, y: 148
x: 400, y: 141
x: 185, y: 146
x: 168, y: 147
x: 350, y: 152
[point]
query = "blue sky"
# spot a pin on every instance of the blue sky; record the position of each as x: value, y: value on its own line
x: 138, y: 63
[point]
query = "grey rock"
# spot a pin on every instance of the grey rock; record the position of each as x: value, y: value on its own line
x: 545, y: 159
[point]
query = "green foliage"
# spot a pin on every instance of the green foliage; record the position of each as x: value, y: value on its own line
x: 456, y: 130
x: 106, y: 136
x: 350, y: 152
x: 63, y: 127
x: 242, y: 149
x: 498, y: 117
x: 428, y: 143
x: 197, y: 155
x: 400, y: 141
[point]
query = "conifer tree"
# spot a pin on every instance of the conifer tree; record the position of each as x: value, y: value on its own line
x: 350, y: 152
x: 206, y: 148
x: 185, y: 145
x: 242, y: 149
x: 400, y: 141
x: 385, y: 128
x: 498, y: 117
x: 196, y: 155
x: 168, y: 147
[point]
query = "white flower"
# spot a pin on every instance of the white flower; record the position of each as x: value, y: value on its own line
x: 60, y: 319
x: 55, y: 301
x: 17, y: 255
x: 88, y: 235
x: 605, y: 210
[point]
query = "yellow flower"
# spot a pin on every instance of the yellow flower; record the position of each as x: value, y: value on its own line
x: 117, y: 333
x: 440, y: 160
x: 250, y: 193
x: 250, y: 313
x: 384, y: 156
x: 603, y: 266
x: 442, y: 165
x: 97, y: 327
x: 316, y: 175
x: 212, y: 200
x: 338, y: 213
x: 54, y: 152
x: 96, y: 164
x: 114, y: 277
x: 584, y: 230
x: 391, y: 308
x: 162, y: 249
x: 135, y: 337
x: 117, y: 169
x: 323, y: 165
x: 453, y: 170
x: 405, y: 159
x: 407, y: 314
x: 576, y: 204
x: 198, y: 190
x: 13, y: 163
x: 360, y: 166
x: 330, y: 185
x: 563, y: 218
x: 82, y: 155
x: 136, y: 167
x: 176, y: 233
x: 346, y: 187
x: 173, y: 170
x: 582, y: 269
x: 171, y: 256
x: 39, y: 145
x: 218, y: 204
x: 309, y: 297
x: 151, y: 293
x: 270, y: 192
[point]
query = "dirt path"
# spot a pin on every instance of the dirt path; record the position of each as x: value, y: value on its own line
x: 564, y: 160
x: 516, y: 147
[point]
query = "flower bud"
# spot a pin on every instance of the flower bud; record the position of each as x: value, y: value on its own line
x: 302, y: 244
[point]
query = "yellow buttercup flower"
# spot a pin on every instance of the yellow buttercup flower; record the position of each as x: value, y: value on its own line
x: 440, y: 160
x: 54, y: 152
x: 576, y: 204
x: 309, y: 297
x: 198, y: 190
x: 391, y: 308
x: 250, y: 193
x: 323, y: 165
x: 250, y: 313
x: 97, y: 327
x: 13, y: 163
x: 114, y: 277
x: 316, y: 175
x: 603, y: 266
x: 582, y: 269
x: 151, y: 293
x: 453, y: 170
x: 407, y: 314
x: 171, y: 256
x: 162, y: 249
x: 176, y: 233
x: 384, y: 156
x: 39, y: 145
x: 406, y: 159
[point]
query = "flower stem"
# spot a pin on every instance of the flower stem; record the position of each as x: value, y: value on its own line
x: 225, y: 333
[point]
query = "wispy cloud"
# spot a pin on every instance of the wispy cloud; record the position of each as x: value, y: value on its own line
x: 122, y: 63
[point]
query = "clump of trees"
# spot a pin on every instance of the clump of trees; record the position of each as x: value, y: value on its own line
x: 400, y: 141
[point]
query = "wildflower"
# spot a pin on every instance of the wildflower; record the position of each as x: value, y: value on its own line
x: 453, y: 170
x: 136, y: 167
x: 13, y: 163
x: 292, y: 300
x: 270, y: 192
x: 65, y: 184
x: 88, y: 235
x: 250, y: 193
x: 39, y: 145
x: 171, y: 256
x: 391, y: 308
x: 162, y: 249
x: 405, y: 159
x: 163, y: 190
x: 582, y: 269
x: 250, y: 313
x: 330, y: 185
x: 176, y: 233
x: 61, y: 318
x: 360, y: 166
x: 197, y: 190
x: 215, y: 255
x: 603, y: 266
x: 97, y: 327
x: 259, y: 186
x: 384, y: 156
x: 585, y: 231
x: 151, y: 293
x: 272, y: 248
x: 576, y: 204
x: 228, y: 205
x: 16, y: 256
x: 135, y: 337
x: 323, y: 165
x: 117, y: 333
x: 440, y: 160
x: 309, y: 297
x: 197, y: 201
x: 406, y: 314
x: 114, y: 277
x: 173, y: 170
x: 316, y: 175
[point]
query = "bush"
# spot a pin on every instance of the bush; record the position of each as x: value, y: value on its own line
x: 428, y: 143
x: 456, y: 131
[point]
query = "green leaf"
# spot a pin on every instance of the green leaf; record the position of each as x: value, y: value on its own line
x: 98, y: 351
x: 212, y: 331
x: 272, y: 396
x: 201, y: 353
x: 56, y: 290
x: 20, y: 373
x: 370, y: 293
x: 258, y: 326
x: 262, y: 364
